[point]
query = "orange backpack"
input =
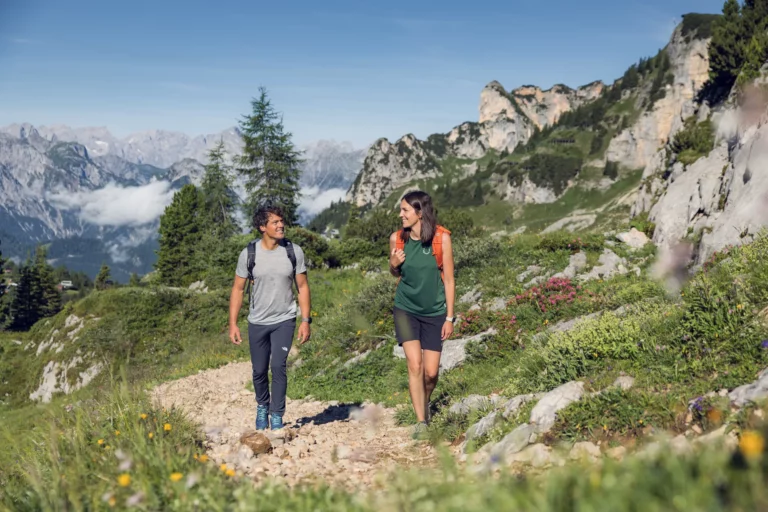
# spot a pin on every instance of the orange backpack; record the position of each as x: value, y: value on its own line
x: 437, y: 246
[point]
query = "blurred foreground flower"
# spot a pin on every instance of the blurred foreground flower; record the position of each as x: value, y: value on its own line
x: 124, y: 480
x: 175, y: 477
x: 751, y: 444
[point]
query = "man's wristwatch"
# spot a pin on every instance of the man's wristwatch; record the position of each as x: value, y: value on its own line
x: 450, y: 319
x: 308, y: 320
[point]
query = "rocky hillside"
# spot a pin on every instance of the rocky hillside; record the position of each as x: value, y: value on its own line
x: 506, y: 120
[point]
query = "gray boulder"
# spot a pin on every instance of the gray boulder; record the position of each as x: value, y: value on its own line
x: 543, y: 415
x: 633, y: 238
x: 752, y: 392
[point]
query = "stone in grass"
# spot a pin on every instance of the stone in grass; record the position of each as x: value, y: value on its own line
x: 543, y: 413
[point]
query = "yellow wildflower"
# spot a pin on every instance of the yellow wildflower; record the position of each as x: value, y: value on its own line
x: 150, y: 435
x: 112, y: 501
x: 100, y: 441
x: 203, y: 458
x: 358, y: 332
x: 175, y: 477
x: 143, y: 416
x: 117, y: 432
x: 751, y: 444
x: 739, y: 306
x: 194, y: 456
x: 124, y: 480
x: 223, y: 467
x: 167, y: 427
x: 230, y: 472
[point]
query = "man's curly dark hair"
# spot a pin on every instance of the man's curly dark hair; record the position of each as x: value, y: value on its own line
x: 261, y: 216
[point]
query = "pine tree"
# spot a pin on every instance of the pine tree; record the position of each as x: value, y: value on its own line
x: 47, y: 294
x: 726, y: 49
x: 220, y: 199
x: 102, y: 277
x: 754, y: 58
x: 269, y: 162
x: 25, y: 306
x: 180, y: 233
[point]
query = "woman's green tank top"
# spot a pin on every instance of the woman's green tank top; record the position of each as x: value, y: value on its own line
x: 421, y: 290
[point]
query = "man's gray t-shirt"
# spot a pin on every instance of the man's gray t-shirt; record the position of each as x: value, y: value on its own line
x: 272, y: 295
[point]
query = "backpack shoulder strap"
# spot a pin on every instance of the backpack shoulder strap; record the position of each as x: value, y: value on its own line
x: 400, y: 244
x: 251, y: 257
x: 437, y: 246
x: 291, y: 256
x: 250, y: 264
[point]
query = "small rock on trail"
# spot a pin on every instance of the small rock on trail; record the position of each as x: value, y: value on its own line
x: 329, y: 442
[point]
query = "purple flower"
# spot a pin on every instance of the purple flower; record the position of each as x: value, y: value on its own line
x: 764, y: 344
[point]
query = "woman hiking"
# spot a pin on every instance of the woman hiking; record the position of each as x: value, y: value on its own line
x: 421, y: 256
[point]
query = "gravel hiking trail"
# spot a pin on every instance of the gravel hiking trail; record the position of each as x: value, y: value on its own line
x: 350, y: 446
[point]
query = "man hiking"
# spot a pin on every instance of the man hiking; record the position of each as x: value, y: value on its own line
x: 273, y: 264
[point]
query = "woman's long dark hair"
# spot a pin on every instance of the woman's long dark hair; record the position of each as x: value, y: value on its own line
x: 422, y: 202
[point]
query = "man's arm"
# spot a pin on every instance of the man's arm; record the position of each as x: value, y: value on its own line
x: 305, y: 304
x: 235, y: 302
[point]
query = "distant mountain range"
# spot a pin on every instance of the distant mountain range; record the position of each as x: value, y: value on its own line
x: 97, y: 199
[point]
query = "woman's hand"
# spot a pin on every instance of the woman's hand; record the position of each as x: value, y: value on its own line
x: 447, y: 330
x: 396, y: 258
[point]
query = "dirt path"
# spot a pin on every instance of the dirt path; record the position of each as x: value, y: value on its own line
x: 322, y: 441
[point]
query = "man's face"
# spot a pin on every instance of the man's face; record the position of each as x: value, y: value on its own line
x: 275, y: 227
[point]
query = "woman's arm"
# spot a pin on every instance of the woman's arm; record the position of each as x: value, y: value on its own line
x: 449, y: 282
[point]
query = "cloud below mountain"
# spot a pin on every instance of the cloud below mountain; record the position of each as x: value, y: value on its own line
x: 115, y: 205
x: 313, y: 200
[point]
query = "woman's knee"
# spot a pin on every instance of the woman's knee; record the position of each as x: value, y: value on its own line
x: 431, y: 374
x: 415, y: 365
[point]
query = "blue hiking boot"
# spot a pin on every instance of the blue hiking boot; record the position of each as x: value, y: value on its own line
x: 276, y: 422
x: 262, y: 414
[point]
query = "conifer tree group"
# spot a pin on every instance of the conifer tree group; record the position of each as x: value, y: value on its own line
x: 199, y: 220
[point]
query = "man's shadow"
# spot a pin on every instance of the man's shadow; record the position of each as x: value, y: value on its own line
x: 331, y: 414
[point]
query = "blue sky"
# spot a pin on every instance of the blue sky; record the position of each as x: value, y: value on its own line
x: 339, y: 70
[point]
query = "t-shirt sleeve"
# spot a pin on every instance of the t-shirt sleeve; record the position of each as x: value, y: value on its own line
x: 301, y: 265
x: 242, y: 264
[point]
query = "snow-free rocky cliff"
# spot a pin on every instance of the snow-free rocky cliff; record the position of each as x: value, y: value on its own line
x: 506, y: 120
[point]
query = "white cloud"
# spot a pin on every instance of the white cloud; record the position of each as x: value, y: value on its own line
x: 114, y: 205
x: 313, y: 201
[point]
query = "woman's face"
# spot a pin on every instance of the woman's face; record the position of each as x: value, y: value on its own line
x: 409, y: 216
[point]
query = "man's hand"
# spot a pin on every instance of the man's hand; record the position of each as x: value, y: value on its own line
x: 447, y: 330
x: 303, y: 332
x: 397, y: 258
x: 234, y: 334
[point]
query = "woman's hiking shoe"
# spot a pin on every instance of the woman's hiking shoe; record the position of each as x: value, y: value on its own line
x: 420, y: 431
x: 262, y: 415
x: 276, y: 422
